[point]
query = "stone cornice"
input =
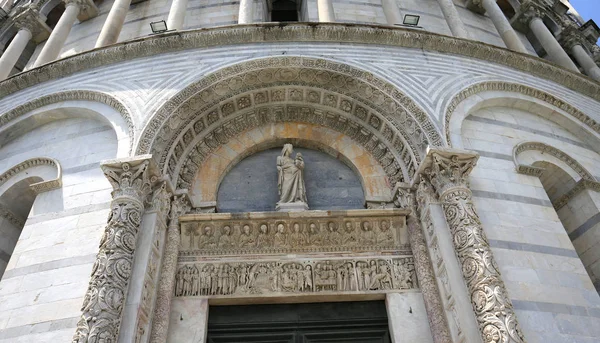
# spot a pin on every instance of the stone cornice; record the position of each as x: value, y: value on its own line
x: 303, y: 32
x: 38, y: 187
x: 580, y: 186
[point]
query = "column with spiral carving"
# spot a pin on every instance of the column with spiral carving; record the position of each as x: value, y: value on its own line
x: 448, y: 172
x: 431, y: 295
x: 132, y: 180
x: 160, y: 324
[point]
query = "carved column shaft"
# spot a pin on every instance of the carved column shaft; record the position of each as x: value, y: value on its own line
x: 431, y: 295
x: 491, y: 303
x: 160, y: 326
x: 102, y: 307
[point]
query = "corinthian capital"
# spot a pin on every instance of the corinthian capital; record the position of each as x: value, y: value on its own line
x: 131, y: 177
x: 29, y: 18
x: 571, y: 36
x: 449, y: 169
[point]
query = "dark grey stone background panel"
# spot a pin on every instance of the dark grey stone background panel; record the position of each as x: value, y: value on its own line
x: 251, y: 185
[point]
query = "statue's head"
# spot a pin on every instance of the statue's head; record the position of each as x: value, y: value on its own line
x: 296, y: 227
x: 287, y: 150
x: 280, y: 228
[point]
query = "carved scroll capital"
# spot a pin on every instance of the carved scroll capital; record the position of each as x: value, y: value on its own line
x: 447, y: 169
x: 131, y: 178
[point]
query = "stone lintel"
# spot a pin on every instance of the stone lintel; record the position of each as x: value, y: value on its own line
x: 293, y: 215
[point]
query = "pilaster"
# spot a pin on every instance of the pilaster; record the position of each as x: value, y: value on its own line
x: 132, y: 180
x: 166, y: 286
x: 438, y: 322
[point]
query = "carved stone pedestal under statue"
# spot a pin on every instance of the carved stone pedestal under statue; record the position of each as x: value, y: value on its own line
x: 292, y: 207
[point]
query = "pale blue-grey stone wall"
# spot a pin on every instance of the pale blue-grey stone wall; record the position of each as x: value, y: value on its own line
x: 252, y: 184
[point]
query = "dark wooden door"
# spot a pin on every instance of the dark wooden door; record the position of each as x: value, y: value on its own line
x: 345, y: 322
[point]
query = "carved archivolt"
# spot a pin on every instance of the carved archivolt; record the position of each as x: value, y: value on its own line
x: 300, y: 32
x: 7, y: 214
x: 297, y: 277
x: 516, y: 88
x: 38, y: 187
x: 84, y: 95
x: 376, y: 107
x: 547, y: 149
x: 290, y: 234
x: 396, y: 161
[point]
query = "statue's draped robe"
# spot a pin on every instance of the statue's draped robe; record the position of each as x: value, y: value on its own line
x: 291, y: 180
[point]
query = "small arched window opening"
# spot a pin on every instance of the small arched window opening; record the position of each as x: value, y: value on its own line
x: 54, y: 15
x: 285, y: 11
x: 507, y: 8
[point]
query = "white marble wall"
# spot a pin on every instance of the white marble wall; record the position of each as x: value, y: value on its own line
x: 553, y: 295
x: 42, y: 289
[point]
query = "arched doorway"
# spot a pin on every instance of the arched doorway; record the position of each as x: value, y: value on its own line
x: 356, y: 123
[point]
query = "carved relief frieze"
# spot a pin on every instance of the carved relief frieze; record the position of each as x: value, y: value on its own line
x: 295, y: 277
x: 293, y: 235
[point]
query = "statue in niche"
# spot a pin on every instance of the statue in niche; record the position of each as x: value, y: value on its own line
x: 385, y: 235
x: 292, y: 192
x: 333, y: 236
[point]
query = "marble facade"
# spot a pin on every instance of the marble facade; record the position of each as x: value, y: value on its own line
x: 477, y: 160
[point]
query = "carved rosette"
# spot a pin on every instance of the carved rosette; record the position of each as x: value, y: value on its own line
x: 102, y: 307
x: 179, y: 206
x: 435, y: 311
x: 448, y: 174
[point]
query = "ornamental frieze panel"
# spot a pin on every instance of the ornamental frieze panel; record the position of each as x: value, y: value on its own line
x: 395, y: 157
x: 283, y: 233
x: 295, y: 277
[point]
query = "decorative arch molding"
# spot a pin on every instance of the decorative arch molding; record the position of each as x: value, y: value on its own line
x: 373, y: 177
x: 38, y: 187
x: 547, y: 149
x: 74, y: 95
x: 378, y: 105
x: 451, y: 121
x: 584, y: 179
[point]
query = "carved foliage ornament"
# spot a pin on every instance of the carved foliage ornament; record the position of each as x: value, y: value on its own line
x: 491, y: 303
x: 103, y: 303
x: 270, y: 278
